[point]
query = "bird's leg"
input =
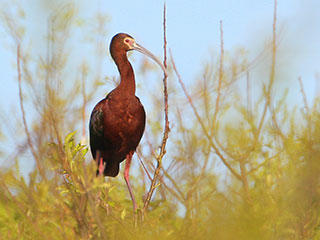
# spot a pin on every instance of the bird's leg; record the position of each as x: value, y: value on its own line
x: 101, y: 166
x: 126, y: 178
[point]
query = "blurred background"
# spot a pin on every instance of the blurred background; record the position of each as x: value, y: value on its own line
x: 242, y: 157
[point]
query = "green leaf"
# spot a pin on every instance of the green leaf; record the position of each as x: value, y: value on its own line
x: 123, y: 214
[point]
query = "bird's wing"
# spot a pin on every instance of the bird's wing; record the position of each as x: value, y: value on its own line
x: 96, y: 129
x: 96, y: 122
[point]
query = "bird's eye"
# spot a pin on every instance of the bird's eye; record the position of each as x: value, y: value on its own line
x: 127, y: 40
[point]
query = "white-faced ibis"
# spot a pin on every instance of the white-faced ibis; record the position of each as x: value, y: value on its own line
x: 117, y: 122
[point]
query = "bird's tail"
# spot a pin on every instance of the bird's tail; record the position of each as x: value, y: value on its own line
x: 111, y: 169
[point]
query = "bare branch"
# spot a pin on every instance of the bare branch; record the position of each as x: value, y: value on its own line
x: 29, y: 140
x: 303, y: 93
x: 307, y: 109
x: 177, y: 191
x: 249, y: 99
x: 220, y: 77
x: 166, y: 128
x: 204, y: 129
x: 272, y: 73
x: 143, y: 166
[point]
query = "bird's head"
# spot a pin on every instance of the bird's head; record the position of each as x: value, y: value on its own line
x: 124, y: 42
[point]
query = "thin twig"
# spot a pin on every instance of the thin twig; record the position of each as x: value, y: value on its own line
x: 143, y: 166
x: 175, y: 185
x: 265, y: 162
x: 244, y: 180
x: 220, y: 77
x: 24, y: 114
x: 304, y: 96
x: 272, y: 73
x: 249, y: 100
x: 243, y: 170
x: 204, y: 129
x: 172, y: 191
x: 307, y: 109
x: 166, y: 128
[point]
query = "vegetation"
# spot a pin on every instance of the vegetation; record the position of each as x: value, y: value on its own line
x: 253, y: 178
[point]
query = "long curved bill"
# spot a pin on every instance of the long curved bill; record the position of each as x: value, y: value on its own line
x: 141, y: 49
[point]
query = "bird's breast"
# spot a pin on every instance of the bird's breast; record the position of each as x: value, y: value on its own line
x: 124, y: 118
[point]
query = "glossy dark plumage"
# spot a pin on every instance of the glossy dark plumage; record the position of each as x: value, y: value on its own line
x: 117, y: 122
x: 116, y: 127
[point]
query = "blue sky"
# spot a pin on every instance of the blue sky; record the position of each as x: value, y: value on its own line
x: 193, y: 30
x: 192, y: 34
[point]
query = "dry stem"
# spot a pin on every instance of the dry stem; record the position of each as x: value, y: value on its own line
x: 166, y: 128
x: 220, y: 77
x: 205, y: 131
x: 25, y: 125
x: 272, y: 73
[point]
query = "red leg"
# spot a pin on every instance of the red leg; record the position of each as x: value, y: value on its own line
x: 101, y: 167
x: 100, y: 163
x: 126, y: 178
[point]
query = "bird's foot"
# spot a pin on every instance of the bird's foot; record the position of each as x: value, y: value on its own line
x: 126, y: 178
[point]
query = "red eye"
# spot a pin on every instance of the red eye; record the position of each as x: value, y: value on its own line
x: 127, y: 40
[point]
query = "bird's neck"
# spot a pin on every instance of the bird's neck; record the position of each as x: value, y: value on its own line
x: 127, y: 82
